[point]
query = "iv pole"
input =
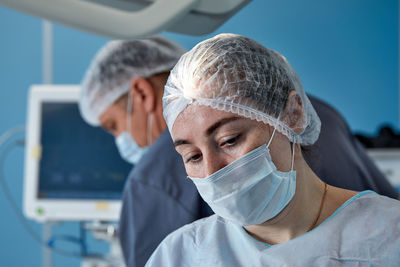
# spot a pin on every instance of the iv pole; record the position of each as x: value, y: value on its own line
x: 47, y: 67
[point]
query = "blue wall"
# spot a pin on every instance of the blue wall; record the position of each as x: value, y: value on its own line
x: 346, y: 52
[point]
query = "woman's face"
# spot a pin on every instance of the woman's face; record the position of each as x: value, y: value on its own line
x: 209, y: 139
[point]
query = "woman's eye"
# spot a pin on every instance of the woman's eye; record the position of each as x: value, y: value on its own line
x: 230, y: 141
x: 195, y: 158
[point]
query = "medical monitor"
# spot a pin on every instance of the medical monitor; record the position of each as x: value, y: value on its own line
x: 72, y: 170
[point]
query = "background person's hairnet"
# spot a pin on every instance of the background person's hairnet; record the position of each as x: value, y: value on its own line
x: 236, y: 74
x: 116, y: 64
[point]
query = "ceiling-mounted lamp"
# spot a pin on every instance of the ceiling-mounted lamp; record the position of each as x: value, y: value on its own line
x: 129, y: 19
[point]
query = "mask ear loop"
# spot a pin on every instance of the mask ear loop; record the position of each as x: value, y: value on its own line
x: 272, y: 136
x: 294, y: 146
x: 149, y: 121
x: 129, y: 110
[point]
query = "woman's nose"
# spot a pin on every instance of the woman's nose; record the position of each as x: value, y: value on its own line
x: 215, y: 161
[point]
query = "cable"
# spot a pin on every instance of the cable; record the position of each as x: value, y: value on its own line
x: 71, y: 239
x: 3, y: 140
x: 10, y: 133
x: 82, y: 236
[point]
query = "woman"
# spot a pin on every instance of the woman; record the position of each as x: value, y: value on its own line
x: 239, y: 117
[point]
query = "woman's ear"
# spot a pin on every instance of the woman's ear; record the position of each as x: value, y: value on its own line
x: 144, y: 95
x: 293, y: 114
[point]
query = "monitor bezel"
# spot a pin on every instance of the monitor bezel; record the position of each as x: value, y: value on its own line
x: 55, y: 209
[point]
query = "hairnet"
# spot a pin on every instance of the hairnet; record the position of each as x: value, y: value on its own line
x: 236, y: 74
x: 116, y: 64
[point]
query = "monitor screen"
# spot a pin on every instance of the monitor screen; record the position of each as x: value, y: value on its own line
x: 77, y: 161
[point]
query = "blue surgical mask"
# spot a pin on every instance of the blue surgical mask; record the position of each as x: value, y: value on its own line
x: 127, y: 147
x: 250, y: 190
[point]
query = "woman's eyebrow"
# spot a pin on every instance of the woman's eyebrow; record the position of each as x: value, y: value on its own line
x: 219, y: 123
x: 181, y: 142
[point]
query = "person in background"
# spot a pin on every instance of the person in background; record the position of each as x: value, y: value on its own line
x: 240, y: 120
x: 122, y: 91
x: 336, y: 144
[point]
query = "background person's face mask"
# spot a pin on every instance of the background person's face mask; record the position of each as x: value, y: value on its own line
x: 127, y: 147
x: 250, y: 190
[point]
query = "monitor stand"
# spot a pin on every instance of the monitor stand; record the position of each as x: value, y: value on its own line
x: 107, y: 232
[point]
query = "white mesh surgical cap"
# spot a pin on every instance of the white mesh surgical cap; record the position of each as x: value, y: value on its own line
x: 116, y: 64
x: 236, y: 74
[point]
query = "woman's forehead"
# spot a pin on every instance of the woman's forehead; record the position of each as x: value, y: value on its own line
x: 197, y: 120
x: 197, y: 117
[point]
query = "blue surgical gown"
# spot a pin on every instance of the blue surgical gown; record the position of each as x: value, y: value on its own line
x: 365, y: 231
